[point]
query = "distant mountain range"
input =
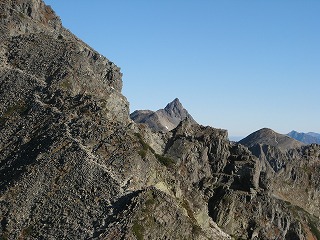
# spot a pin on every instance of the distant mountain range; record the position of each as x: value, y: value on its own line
x: 163, y: 119
x: 166, y: 119
x: 307, y: 138
x: 269, y: 137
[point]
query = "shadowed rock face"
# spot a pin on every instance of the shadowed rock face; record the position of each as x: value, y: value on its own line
x: 163, y: 119
x: 74, y: 166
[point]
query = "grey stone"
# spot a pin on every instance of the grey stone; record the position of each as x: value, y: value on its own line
x: 74, y: 166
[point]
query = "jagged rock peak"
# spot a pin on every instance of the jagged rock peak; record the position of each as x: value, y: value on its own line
x: 163, y: 119
x: 175, y: 109
x: 175, y: 104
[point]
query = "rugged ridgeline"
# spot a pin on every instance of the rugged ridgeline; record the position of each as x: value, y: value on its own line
x: 72, y: 163
x: 290, y: 172
x: 163, y: 119
x: 74, y: 166
x: 307, y: 138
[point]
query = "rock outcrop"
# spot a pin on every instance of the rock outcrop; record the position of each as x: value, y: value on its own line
x: 163, y: 120
x: 74, y: 166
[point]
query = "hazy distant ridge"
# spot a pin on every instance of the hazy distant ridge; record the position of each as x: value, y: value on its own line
x: 307, y: 138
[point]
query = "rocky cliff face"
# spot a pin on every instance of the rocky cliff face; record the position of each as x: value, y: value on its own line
x: 74, y: 166
x: 290, y: 176
x: 163, y: 120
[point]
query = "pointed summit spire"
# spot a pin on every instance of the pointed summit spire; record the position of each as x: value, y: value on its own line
x: 164, y: 119
x: 174, y: 105
x: 176, y: 100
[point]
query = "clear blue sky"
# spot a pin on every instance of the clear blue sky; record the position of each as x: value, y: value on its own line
x: 238, y: 65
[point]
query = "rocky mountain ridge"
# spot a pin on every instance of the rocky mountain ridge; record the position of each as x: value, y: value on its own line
x: 267, y: 136
x: 163, y: 119
x: 74, y: 166
x: 72, y: 163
